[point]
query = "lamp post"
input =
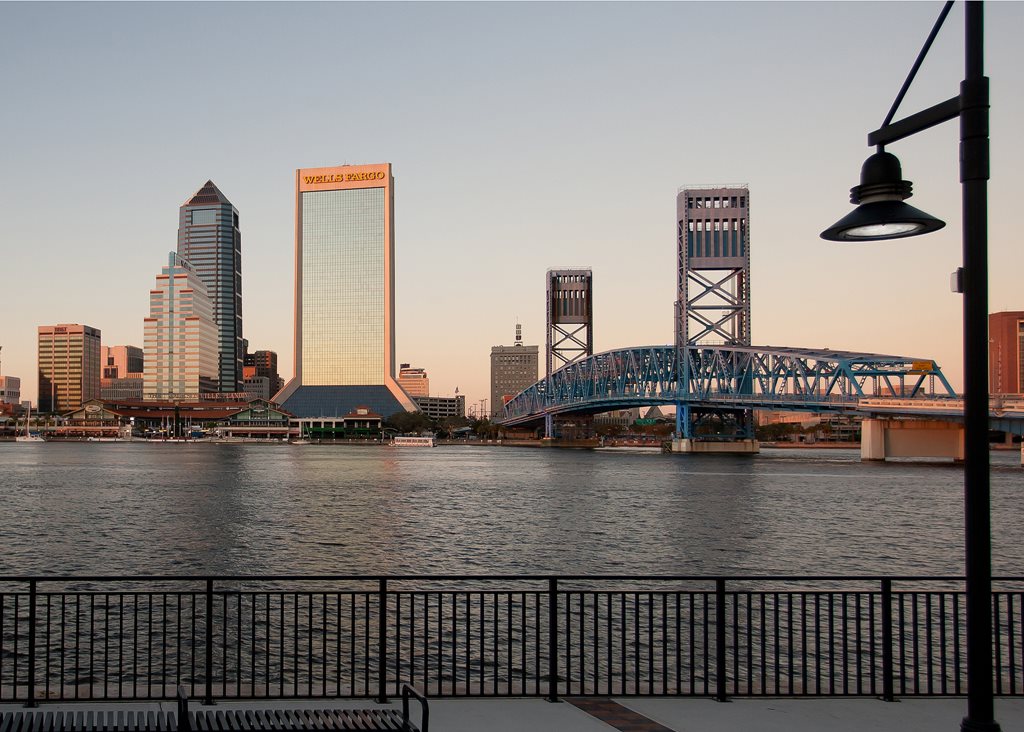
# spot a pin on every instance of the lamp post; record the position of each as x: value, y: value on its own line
x: 883, y: 215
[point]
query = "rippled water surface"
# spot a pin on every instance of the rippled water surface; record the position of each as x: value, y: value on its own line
x: 254, y: 509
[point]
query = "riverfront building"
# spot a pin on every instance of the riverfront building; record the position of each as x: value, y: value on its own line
x: 513, y: 368
x: 122, y: 389
x: 69, y: 366
x: 414, y: 381
x: 438, y: 407
x: 180, y: 335
x: 210, y: 241
x: 344, y: 294
x: 1006, y: 352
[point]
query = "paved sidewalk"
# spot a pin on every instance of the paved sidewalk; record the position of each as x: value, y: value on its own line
x: 680, y: 715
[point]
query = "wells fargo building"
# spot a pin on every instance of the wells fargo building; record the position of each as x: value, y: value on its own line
x: 344, y: 294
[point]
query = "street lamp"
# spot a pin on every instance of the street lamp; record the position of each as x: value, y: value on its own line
x: 881, y: 214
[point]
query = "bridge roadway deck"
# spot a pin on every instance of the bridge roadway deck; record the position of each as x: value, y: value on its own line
x: 678, y: 714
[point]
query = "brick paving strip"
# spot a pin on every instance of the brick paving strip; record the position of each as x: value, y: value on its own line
x: 616, y: 715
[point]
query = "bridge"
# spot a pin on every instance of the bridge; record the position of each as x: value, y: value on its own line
x: 908, y: 404
x: 749, y: 377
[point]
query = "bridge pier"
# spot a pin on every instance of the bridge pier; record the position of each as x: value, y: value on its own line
x: 885, y: 438
x: 715, y: 447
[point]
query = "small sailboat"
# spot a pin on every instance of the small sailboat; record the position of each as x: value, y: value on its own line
x: 28, y: 436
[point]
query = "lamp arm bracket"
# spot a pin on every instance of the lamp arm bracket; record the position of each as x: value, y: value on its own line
x: 917, y: 63
x: 941, y: 112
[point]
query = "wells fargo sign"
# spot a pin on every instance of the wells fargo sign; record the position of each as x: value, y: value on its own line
x: 343, y: 176
x: 310, y: 180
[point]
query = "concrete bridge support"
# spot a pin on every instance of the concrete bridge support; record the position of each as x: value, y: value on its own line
x: 885, y: 438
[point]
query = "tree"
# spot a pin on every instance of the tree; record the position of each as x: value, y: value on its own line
x: 410, y: 422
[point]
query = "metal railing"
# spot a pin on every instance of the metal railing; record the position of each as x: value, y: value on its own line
x: 135, y: 638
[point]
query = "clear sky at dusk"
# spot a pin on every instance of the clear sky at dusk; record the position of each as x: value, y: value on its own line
x: 523, y: 137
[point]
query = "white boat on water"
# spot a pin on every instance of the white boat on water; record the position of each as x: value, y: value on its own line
x: 412, y: 442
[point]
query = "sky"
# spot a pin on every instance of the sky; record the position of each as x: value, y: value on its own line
x: 523, y: 137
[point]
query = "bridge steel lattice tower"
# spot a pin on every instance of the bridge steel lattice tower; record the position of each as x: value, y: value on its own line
x: 713, y: 282
x: 570, y: 331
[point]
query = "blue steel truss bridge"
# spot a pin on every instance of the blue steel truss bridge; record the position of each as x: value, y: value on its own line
x: 748, y: 377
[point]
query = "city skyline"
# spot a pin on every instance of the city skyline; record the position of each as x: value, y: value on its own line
x: 570, y: 154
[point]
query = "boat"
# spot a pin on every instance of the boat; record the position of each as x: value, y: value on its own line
x: 28, y: 436
x: 412, y: 441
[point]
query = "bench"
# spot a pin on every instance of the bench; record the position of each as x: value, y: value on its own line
x: 228, y: 720
x: 267, y: 720
x: 91, y: 721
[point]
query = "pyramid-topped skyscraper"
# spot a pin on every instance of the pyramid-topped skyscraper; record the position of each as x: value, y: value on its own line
x: 210, y: 240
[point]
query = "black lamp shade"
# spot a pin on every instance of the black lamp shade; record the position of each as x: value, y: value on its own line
x: 882, y: 220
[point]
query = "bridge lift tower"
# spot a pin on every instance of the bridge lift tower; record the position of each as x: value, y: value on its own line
x: 713, y: 294
x: 570, y: 332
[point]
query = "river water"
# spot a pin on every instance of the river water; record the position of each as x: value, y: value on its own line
x: 285, y: 509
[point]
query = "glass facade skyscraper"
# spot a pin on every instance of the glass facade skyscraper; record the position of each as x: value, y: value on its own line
x: 210, y: 240
x: 344, y: 294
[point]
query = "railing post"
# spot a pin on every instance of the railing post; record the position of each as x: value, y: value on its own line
x: 31, y: 701
x: 208, y: 696
x: 720, y: 660
x: 382, y: 643
x: 887, y: 649
x: 552, y: 639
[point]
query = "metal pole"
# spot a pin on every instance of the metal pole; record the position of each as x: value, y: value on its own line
x: 32, y: 596
x: 382, y: 643
x: 888, y: 693
x: 552, y: 640
x: 721, y: 665
x: 208, y: 697
x: 974, y: 173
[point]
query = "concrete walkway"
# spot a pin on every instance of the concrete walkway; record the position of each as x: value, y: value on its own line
x: 680, y: 715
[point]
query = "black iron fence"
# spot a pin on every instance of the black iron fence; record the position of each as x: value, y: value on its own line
x: 354, y: 636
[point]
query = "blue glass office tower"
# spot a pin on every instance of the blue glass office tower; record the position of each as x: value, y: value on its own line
x: 209, y: 239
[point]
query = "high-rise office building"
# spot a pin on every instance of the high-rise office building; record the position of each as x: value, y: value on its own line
x: 513, y: 368
x: 414, y: 380
x: 180, y: 335
x: 120, y: 361
x: 209, y: 239
x: 69, y: 366
x: 344, y: 294
x: 1006, y: 352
